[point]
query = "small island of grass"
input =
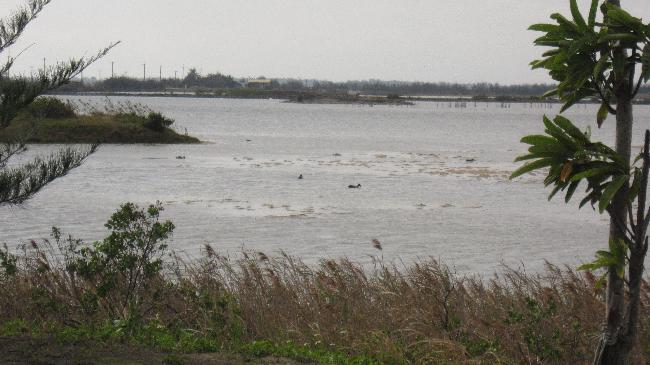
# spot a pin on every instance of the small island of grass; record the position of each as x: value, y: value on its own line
x: 344, y: 98
x: 50, y: 120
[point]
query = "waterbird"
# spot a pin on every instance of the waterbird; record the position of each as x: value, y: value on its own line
x: 300, y: 177
x: 470, y: 160
x: 354, y: 186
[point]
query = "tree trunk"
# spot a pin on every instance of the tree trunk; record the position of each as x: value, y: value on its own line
x: 615, y: 346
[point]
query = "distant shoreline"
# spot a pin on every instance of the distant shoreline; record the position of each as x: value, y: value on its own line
x: 335, y: 98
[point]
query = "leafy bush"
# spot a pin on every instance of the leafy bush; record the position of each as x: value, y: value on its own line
x: 157, y: 122
x: 119, y: 268
x: 52, y: 108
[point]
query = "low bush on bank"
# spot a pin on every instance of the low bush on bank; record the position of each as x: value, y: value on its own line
x: 157, y: 122
x: 132, y: 288
x: 52, y: 108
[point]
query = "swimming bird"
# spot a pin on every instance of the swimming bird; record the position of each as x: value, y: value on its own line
x: 354, y: 186
x: 300, y: 177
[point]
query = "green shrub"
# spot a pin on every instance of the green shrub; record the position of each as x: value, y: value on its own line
x: 52, y: 108
x: 120, y: 268
x: 157, y: 122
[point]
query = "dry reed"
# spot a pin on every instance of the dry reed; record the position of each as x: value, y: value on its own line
x: 418, y: 314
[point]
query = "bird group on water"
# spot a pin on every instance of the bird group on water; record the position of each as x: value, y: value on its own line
x: 358, y: 186
x: 351, y: 186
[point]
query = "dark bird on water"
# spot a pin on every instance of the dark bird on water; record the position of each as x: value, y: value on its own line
x: 300, y: 177
x: 354, y: 186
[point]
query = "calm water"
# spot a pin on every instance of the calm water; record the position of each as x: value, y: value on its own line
x: 419, y: 195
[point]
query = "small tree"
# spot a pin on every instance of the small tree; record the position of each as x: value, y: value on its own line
x: 119, y: 268
x: 19, y: 183
x: 600, y: 60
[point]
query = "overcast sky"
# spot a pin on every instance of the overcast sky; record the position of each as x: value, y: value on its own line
x: 411, y: 40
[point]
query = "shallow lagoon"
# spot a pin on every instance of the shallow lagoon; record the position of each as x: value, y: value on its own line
x: 420, y: 195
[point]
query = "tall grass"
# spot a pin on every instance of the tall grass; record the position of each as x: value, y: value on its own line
x: 421, y: 313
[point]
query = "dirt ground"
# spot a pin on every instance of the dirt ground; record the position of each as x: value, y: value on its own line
x: 30, y: 351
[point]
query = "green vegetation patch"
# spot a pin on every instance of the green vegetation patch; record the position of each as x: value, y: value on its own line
x: 50, y: 120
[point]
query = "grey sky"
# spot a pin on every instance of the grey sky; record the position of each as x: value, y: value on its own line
x: 423, y: 40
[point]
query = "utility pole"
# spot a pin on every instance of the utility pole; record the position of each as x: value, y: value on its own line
x: 112, y: 69
x: 144, y: 72
x: 160, y: 77
x: 183, y: 74
x: 44, y: 67
x: 175, y: 75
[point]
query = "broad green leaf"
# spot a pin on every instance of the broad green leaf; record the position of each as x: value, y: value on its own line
x: 535, y: 165
x: 555, y: 190
x: 577, y: 17
x: 621, y: 17
x: 550, y: 150
x: 606, y: 150
x: 619, y: 37
x: 570, y: 129
x: 551, y: 52
x: 553, y: 174
x: 645, y: 63
x: 601, y: 282
x: 635, y: 186
x: 550, y: 93
x: 604, y: 254
x: 589, y: 267
x: 565, y: 24
x: 600, y: 66
x: 618, y: 249
x: 572, y: 189
x: 592, y: 172
x: 592, y: 13
x: 526, y: 157
x: 603, y: 112
x: 611, y: 190
x: 549, y: 28
x: 615, y: 258
x: 559, y: 134
x: 570, y: 101
x: 585, y: 200
x: 539, y: 140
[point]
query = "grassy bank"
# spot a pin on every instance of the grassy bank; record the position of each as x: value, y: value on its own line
x: 50, y: 120
x: 130, y: 289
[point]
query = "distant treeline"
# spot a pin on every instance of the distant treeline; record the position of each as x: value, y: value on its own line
x: 378, y: 87
x: 210, y: 82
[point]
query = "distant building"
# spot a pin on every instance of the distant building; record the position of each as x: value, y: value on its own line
x: 259, y: 83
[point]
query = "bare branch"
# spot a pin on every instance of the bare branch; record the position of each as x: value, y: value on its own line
x: 21, y: 183
x: 8, y: 150
x: 13, y: 26
x: 15, y: 94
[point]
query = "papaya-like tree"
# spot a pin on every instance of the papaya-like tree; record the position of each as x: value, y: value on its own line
x: 607, y: 59
x: 20, y: 182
